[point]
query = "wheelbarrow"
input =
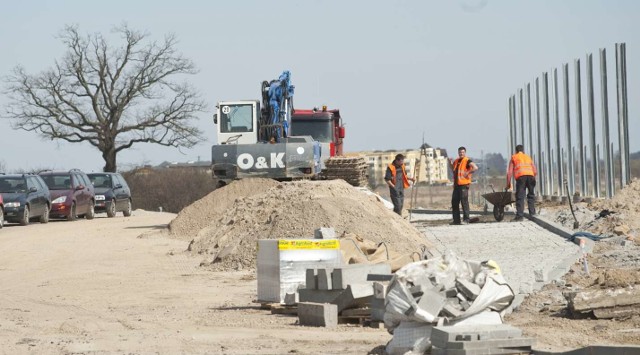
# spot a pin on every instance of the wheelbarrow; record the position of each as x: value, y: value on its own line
x: 499, y: 200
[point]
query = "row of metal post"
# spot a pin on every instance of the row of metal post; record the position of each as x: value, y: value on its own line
x: 552, y: 161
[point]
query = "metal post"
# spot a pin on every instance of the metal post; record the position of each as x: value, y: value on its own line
x: 598, y: 165
x: 529, y: 126
x: 571, y: 178
x: 510, y: 125
x: 549, y: 166
x: 521, y: 117
x: 621, y: 124
x: 623, y: 56
x: 605, y: 122
x: 582, y: 159
x: 514, y: 124
x: 612, y: 172
x: 595, y: 158
x: 556, y: 117
x: 539, y: 139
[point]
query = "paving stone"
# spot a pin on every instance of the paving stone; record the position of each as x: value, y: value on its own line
x: 318, y: 314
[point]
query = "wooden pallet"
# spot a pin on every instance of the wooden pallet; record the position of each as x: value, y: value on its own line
x: 277, y: 308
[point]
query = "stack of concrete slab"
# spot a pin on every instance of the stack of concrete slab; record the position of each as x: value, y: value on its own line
x: 479, y: 339
x: 346, y: 286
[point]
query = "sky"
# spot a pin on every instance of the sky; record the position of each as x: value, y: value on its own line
x: 397, y: 70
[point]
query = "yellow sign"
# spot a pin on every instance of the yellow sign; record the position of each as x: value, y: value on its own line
x: 306, y: 244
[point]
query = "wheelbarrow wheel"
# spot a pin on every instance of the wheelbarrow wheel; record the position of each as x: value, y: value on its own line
x: 498, y: 213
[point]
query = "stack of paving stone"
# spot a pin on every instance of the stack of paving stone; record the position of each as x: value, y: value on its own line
x: 329, y: 292
x: 479, y: 339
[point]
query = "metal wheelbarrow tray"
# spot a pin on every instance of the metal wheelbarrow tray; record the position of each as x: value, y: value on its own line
x: 499, y: 200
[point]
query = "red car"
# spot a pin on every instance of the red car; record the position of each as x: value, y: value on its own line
x: 72, y: 194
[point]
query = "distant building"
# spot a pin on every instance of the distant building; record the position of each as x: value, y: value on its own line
x: 433, y: 169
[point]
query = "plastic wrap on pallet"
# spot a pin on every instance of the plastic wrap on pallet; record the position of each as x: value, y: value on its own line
x: 282, y: 264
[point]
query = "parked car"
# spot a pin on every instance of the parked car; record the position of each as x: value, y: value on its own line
x: 112, y: 193
x: 72, y: 194
x: 25, y: 197
x: 1, y: 212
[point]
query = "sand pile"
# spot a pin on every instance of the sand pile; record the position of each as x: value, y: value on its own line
x: 290, y: 210
x: 206, y: 210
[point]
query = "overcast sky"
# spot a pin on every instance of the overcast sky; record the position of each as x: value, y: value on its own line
x: 395, y: 69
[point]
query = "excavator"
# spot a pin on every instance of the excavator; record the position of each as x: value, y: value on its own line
x: 269, y: 138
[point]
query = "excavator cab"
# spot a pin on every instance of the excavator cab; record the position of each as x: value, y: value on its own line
x: 237, y: 122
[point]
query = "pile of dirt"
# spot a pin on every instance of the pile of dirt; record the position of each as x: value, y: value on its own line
x: 203, y: 212
x: 288, y: 210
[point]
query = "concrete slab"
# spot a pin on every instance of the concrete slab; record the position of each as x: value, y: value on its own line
x: 355, y: 295
x: 324, y: 233
x: 356, y: 273
x: 432, y: 302
x: 311, y: 279
x: 318, y: 314
x: 380, y: 290
x: 318, y: 296
x: 440, y: 336
x: 324, y: 279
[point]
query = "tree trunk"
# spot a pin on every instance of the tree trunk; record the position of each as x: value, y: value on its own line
x: 109, y: 156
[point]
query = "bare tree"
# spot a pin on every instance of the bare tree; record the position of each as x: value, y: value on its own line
x: 109, y: 96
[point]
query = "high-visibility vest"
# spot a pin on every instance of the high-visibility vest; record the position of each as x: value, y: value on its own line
x: 405, y: 180
x: 522, y: 165
x: 462, y: 166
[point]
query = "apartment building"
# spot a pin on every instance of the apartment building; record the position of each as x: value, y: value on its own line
x: 433, y: 169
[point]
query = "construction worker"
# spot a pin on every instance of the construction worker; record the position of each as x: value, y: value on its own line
x: 463, y: 169
x: 397, y: 180
x: 522, y: 168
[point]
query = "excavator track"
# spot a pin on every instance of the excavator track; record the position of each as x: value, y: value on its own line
x: 350, y: 169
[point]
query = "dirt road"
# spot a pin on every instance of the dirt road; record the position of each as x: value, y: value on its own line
x: 120, y: 285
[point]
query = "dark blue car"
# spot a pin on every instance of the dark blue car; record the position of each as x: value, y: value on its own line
x: 112, y: 193
x: 25, y: 197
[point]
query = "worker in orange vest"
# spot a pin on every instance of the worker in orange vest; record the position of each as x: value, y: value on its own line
x: 463, y: 169
x: 522, y: 168
x: 397, y: 179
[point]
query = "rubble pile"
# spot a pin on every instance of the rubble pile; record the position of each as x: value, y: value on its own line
x: 442, y: 291
x: 228, y: 236
x: 618, y: 216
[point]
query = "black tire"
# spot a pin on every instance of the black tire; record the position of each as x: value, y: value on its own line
x: 111, y: 212
x: 127, y: 211
x: 24, y: 219
x: 92, y: 211
x: 45, y: 216
x: 1, y: 217
x: 498, y: 213
x: 73, y: 214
